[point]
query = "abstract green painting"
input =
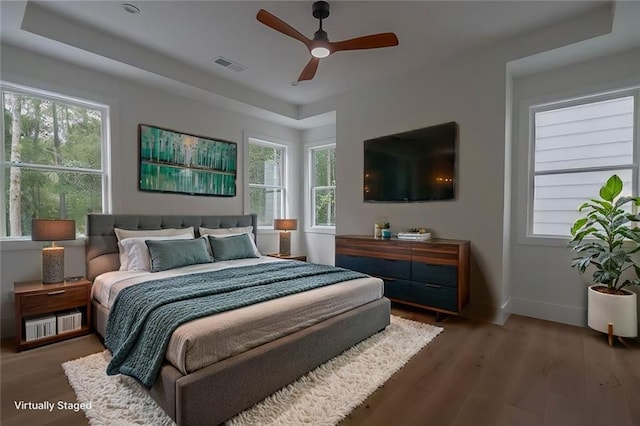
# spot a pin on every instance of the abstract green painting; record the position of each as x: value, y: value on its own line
x: 171, y: 161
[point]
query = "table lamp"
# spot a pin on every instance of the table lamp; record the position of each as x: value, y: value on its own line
x: 53, y: 257
x: 285, y: 225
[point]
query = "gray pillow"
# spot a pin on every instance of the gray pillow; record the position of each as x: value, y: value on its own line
x: 233, y: 247
x: 169, y: 254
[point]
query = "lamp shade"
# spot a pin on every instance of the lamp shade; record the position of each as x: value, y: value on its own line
x: 53, y: 229
x: 285, y: 224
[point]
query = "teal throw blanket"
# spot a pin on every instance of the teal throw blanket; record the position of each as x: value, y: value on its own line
x: 144, y: 316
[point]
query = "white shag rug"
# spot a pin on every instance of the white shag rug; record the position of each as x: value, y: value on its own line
x: 323, y: 396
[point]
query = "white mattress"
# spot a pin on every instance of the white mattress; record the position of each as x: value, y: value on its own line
x: 204, y: 341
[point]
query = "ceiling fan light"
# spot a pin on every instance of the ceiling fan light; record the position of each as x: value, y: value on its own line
x: 320, y: 52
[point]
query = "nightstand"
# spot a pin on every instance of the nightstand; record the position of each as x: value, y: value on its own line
x: 289, y: 256
x: 48, y: 303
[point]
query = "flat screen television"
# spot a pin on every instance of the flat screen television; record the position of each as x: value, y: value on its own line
x: 418, y: 165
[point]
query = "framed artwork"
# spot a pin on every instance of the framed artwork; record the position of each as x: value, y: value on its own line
x: 182, y: 163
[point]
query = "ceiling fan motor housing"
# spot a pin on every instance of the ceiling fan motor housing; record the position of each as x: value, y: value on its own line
x: 320, y: 35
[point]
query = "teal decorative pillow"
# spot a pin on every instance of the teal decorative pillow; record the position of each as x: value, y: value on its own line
x: 170, y: 254
x: 232, y: 247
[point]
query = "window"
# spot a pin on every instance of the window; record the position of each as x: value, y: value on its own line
x: 266, y: 177
x: 322, y: 161
x: 53, y: 159
x: 577, y: 146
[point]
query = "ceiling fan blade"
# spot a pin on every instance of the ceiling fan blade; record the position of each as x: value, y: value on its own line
x: 310, y: 70
x: 373, y: 41
x: 279, y: 25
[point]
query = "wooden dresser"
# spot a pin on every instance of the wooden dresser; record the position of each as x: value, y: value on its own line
x: 432, y: 274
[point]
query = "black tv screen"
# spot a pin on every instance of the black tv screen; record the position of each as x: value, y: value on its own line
x: 418, y: 165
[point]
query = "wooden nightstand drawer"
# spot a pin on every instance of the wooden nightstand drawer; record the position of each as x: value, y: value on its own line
x: 56, y: 299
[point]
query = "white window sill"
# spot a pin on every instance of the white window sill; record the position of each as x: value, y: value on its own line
x: 331, y: 230
x: 14, y: 244
x: 267, y: 231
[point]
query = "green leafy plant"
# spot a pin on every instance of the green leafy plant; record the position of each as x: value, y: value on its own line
x: 383, y: 225
x: 605, y: 239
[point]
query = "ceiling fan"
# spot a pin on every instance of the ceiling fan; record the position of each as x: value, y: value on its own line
x: 320, y: 46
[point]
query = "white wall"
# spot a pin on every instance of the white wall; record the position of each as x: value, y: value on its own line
x: 131, y: 104
x: 471, y: 92
x: 543, y: 285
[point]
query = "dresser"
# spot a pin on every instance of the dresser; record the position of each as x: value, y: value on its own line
x: 432, y: 274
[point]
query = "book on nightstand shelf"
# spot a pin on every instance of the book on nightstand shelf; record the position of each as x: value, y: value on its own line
x: 69, y: 321
x: 39, y: 327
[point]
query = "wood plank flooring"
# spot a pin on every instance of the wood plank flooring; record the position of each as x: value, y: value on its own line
x: 527, y: 372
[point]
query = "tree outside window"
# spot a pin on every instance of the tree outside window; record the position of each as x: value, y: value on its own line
x: 323, y: 186
x: 266, y: 163
x: 52, y: 160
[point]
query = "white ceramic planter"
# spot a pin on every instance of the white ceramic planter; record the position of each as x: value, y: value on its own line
x: 621, y: 311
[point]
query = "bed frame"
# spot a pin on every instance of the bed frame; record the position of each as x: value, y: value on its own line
x: 216, y: 393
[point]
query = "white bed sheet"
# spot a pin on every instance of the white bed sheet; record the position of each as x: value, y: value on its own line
x: 204, y: 341
x: 107, y: 286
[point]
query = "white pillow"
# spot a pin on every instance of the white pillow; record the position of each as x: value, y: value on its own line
x: 253, y: 243
x: 121, y: 234
x: 134, y: 253
x: 227, y: 231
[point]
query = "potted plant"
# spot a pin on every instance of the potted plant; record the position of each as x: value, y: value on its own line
x: 385, y: 231
x: 605, y: 242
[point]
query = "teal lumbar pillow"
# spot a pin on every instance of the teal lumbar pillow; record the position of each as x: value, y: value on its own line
x: 170, y: 254
x: 232, y: 247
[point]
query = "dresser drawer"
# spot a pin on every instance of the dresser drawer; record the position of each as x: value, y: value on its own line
x: 54, y: 300
x: 441, y: 254
x: 373, y: 266
x: 397, y: 289
x: 355, y: 263
x: 435, y: 296
x: 434, y: 274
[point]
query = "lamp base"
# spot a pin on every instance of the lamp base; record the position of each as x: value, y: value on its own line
x: 285, y: 243
x: 52, y: 265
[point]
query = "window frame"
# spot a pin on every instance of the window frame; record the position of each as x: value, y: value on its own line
x: 254, y: 139
x: 528, y: 110
x: 309, y: 199
x: 104, y: 170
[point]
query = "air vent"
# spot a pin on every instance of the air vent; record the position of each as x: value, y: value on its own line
x: 229, y: 64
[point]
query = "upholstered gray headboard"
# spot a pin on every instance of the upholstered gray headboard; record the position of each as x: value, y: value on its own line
x: 102, y: 246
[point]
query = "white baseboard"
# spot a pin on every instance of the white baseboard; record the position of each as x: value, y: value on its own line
x: 565, y: 314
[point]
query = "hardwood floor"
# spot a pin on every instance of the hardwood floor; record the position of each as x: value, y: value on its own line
x: 527, y: 372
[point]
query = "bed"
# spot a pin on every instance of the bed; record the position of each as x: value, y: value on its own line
x: 258, y: 349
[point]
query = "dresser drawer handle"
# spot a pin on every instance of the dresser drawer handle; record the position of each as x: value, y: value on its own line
x: 53, y: 293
